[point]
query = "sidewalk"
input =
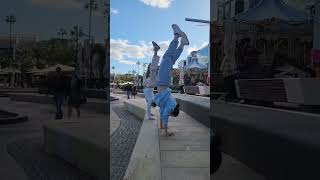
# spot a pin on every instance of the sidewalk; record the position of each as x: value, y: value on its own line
x: 185, y: 155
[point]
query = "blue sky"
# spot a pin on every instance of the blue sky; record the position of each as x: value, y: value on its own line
x: 44, y: 17
x: 135, y: 23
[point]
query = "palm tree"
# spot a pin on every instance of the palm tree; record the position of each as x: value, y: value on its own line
x: 114, y: 74
x: 138, y: 63
x: 113, y: 68
x: 144, y: 65
x: 62, y: 32
x: 76, y: 33
x: 92, y: 6
x: 11, y: 19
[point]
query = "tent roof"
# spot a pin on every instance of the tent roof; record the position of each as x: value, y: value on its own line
x: 33, y: 70
x: 64, y: 68
x: 268, y: 9
x: 9, y: 70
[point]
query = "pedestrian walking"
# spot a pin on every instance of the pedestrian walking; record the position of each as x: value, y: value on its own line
x: 134, y: 92
x: 59, y: 88
x: 75, y: 94
x: 128, y: 88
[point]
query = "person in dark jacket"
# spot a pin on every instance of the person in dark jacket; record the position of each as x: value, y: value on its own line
x: 129, y: 90
x: 74, y: 100
x: 58, y: 87
x: 134, y: 92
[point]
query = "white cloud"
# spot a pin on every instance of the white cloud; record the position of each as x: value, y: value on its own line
x: 196, y: 48
x: 60, y: 3
x: 158, y: 3
x: 127, y: 62
x: 114, y: 11
x: 121, y: 50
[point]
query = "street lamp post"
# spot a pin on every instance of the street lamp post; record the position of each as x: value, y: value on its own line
x: 11, y: 19
x: 114, y: 74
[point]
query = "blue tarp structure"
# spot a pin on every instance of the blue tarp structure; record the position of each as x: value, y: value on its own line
x: 268, y: 9
x: 195, y: 64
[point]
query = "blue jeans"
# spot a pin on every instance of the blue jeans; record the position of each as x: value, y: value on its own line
x: 173, y: 51
x: 128, y: 94
x: 58, y: 100
x: 168, y: 60
x: 148, y: 93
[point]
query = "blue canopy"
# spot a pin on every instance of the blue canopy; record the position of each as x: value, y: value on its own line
x: 268, y: 9
x: 195, y: 64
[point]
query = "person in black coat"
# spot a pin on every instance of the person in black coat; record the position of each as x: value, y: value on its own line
x: 58, y: 87
x: 75, y: 94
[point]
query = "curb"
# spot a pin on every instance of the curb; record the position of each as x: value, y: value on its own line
x: 145, y: 159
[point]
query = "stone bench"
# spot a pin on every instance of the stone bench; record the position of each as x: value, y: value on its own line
x: 83, y: 144
x: 278, y: 144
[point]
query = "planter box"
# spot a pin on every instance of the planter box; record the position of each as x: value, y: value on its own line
x: 301, y: 91
x: 304, y: 91
x: 204, y: 90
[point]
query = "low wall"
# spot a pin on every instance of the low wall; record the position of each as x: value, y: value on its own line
x: 95, y: 93
x: 198, y: 110
x: 277, y: 144
x: 145, y: 159
x: 83, y: 144
x: 195, y: 110
x: 96, y: 105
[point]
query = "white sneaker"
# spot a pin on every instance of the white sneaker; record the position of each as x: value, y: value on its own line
x: 156, y: 47
x: 177, y: 30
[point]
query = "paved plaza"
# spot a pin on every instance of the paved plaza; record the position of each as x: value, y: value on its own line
x: 125, y: 129
x: 21, y: 145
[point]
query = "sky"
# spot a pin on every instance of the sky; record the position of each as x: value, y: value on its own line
x: 44, y: 17
x: 135, y: 23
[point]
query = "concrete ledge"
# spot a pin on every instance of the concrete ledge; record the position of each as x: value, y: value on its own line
x: 197, y: 110
x: 31, y: 97
x: 96, y: 105
x: 18, y: 90
x: 135, y: 109
x: 145, y: 159
x: 83, y: 144
x: 95, y: 93
x: 278, y: 144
